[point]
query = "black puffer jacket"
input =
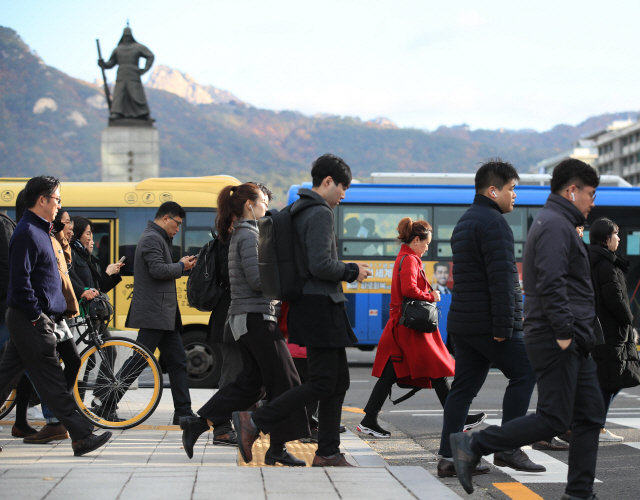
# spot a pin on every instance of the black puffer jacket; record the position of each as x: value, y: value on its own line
x: 617, y: 358
x: 486, y: 298
x: 84, y: 273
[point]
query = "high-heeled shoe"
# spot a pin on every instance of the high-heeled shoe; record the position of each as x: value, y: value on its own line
x: 281, y: 455
x: 192, y: 428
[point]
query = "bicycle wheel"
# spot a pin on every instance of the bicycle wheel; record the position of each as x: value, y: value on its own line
x: 119, y: 385
x: 7, y: 406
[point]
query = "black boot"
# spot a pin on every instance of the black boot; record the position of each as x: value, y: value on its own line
x: 278, y: 453
x: 192, y: 427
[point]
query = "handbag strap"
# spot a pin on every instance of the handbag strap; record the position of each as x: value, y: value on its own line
x: 421, y: 270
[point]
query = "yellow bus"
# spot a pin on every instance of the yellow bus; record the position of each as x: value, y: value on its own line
x: 119, y: 212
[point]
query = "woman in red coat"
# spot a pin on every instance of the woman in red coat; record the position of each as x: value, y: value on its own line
x: 408, y: 356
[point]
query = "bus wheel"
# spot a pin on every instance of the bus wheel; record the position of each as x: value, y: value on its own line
x: 203, y: 369
x: 366, y: 347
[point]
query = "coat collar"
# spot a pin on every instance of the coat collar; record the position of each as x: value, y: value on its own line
x: 482, y: 200
x: 407, y: 250
x: 564, y: 207
x: 309, y: 193
x: 597, y: 253
x: 151, y: 224
x: 37, y: 221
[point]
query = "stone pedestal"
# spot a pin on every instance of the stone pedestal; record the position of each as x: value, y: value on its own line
x: 130, y: 153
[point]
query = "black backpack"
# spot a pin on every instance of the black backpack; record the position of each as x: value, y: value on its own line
x: 280, y: 276
x: 204, y: 287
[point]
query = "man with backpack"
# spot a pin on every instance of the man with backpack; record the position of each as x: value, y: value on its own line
x: 317, y: 319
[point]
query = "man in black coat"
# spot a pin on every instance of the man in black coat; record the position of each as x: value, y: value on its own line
x: 485, y: 318
x: 559, y: 315
x: 318, y: 319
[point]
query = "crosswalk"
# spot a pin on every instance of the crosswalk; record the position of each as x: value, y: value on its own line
x: 556, y: 469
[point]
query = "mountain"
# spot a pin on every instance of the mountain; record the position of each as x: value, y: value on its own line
x: 183, y: 85
x: 50, y: 122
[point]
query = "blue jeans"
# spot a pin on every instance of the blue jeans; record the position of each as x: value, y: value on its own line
x: 474, y: 356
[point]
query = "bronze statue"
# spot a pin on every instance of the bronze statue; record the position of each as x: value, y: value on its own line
x: 129, y: 101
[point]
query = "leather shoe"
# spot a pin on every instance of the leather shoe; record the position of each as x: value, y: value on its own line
x: 570, y: 497
x: 176, y: 417
x: 555, y: 445
x: 47, y: 434
x: 336, y: 460
x: 18, y: 433
x: 464, y: 459
x: 247, y: 433
x: 229, y: 438
x: 282, y: 456
x: 517, y: 460
x: 90, y: 443
x: 192, y: 428
x: 447, y: 469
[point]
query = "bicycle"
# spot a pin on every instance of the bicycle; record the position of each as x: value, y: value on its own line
x: 107, y: 396
x: 108, y: 391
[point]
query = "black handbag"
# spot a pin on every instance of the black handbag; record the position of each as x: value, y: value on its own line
x: 418, y: 314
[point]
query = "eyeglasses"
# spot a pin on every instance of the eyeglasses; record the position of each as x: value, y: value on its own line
x: 593, y: 196
x: 178, y: 223
x: 59, y: 200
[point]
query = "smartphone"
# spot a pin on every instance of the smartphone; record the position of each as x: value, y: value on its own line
x: 122, y: 259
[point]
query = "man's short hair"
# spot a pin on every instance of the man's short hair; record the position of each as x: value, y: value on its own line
x: 442, y: 264
x: 495, y: 172
x: 329, y: 165
x: 43, y: 185
x: 572, y: 171
x: 170, y: 208
x: 265, y: 189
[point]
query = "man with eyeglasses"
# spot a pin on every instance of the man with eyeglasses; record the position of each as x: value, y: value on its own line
x: 559, y: 313
x: 154, y: 305
x: 35, y: 303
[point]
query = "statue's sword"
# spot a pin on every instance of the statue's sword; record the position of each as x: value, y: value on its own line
x: 104, y: 77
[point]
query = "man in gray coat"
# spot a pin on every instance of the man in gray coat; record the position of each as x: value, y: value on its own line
x: 317, y: 320
x: 154, y: 306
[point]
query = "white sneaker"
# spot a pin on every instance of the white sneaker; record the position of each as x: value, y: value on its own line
x: 606, y: 435
x: 34, y: 413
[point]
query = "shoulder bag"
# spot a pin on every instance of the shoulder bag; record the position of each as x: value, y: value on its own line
x: 418, y: 315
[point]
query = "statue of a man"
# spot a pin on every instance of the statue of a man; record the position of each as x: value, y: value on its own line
x: 129, y: 100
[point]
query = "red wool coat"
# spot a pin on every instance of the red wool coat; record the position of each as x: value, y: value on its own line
x: 417, y: 357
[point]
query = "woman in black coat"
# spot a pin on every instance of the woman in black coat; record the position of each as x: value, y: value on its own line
x: 84, y: 271
x: 616, y: 356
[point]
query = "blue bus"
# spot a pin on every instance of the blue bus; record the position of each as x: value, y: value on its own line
x: 367, y: 218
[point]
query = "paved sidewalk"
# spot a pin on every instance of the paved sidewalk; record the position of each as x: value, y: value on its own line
x: 149, y: 462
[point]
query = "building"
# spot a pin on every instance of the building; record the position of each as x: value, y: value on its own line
x: 619, y: 150
x: 583, y: 149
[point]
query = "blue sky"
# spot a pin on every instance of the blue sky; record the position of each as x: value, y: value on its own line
x: 422, y: 64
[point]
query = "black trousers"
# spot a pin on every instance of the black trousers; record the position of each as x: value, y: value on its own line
x: 328, y: 383
x: 383, y: 386
x: 170, y: 345
x: 312, y: 408
x: 569, y: 397
x: 34, y: 348
x: 266, y: 361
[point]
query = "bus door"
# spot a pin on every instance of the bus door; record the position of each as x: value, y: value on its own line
x: 629, y: 248
x: 104, y: 249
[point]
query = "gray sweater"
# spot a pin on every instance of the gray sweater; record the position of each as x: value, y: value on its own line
x: 246, y: 291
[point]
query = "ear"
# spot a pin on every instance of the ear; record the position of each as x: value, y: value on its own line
x: 328, y: 181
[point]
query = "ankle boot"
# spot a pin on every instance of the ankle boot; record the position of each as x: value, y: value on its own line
x: 192, y: 428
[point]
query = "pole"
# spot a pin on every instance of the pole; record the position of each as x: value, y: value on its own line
x: 104, y: 77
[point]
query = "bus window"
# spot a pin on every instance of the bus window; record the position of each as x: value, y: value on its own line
x: 444, y: 249
x: 195, y: 239
x: 633, y: 243
x: 517, y: 221
x: 444, y: 221
x: 133, y: 222
x: 371, y: 231
x: 202, y: 219
x: 532, y: 213
x: 102, y: 244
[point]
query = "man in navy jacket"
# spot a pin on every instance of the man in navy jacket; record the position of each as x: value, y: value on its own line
x: 35, y: 301
x: 559, y: 313
x: 485, y: 318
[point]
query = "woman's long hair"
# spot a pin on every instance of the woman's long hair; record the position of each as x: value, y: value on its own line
x: 231, y: 201
x: 408, y: 230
